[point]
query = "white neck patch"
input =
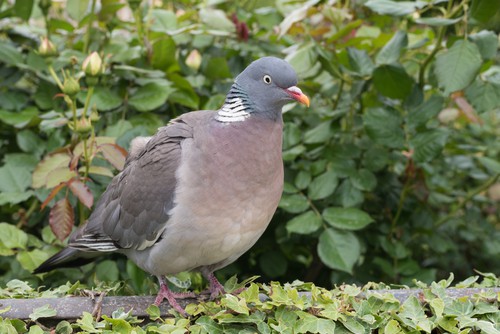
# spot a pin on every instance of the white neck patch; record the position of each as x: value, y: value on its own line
x: 233, y: 110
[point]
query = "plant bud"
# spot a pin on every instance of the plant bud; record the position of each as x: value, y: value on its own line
x: 134, y: 4
x: 71, y: 87
x: 92, y: 65
x: 47, y: 48
x: 193, y: 60
x: 45, y: 6
x: 83, y: 126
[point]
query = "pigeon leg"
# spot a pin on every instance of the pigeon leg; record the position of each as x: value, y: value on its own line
x: 166, y: 293
x: 215, y: 288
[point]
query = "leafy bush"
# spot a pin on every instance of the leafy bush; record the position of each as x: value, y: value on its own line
x: 391, y: 175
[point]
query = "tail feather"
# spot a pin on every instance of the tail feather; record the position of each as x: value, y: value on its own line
x: 68, y: 257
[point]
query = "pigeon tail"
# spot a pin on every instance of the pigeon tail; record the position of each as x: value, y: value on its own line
x: 68, y: 257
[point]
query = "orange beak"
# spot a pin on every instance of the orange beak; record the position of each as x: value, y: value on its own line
x: 297, y: 95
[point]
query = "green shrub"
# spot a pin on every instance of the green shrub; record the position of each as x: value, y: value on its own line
x: 391, y: 175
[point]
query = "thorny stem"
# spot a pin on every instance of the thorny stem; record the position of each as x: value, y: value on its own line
x: 467, y: 198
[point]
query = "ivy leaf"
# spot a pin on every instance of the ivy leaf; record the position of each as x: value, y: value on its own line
x: 235, y: 304
x: 42, y: 312
x: 150, y: 96
x: 62, y: 218
x: 80, y: 190
x: 347, y: 218
x: 339, y: 249
x: 305, y: 223
x: 456, y: 68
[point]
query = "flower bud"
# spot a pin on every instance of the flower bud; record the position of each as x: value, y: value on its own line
x: 45, y: 6
x: 83, y: 126
x: 47, y: 48
x: 193, y: 60
x: 134, y: 4
x: 92, y: 65
x: 71, y: 86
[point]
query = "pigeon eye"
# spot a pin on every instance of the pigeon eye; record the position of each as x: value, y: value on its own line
x: 267, y: 79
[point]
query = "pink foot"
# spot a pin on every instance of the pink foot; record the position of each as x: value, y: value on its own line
x: 166, y: 293
x: 216, y: 289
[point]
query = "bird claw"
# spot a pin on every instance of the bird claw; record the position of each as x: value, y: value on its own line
x: 166, y: 293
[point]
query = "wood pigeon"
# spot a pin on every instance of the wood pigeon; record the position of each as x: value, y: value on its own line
x: 201, y: 191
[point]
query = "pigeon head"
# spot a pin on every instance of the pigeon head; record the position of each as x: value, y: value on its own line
x: 265, y: 86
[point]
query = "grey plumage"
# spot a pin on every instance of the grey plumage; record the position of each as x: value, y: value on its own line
x: 200, y: 192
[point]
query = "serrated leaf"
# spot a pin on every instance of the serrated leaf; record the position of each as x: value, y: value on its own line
x: 216, y: 19
x: 456, y: 68
x: 319, y: 134
x: 9, y: 54
x: 347, y: 218
x: 47, y: 165
x: 395, y: 8
x: 391, y: 80
x: 363, y: 179
x: 360, y: 61
x: 487, y: 43
x: 384, y: 127
x: 323, y: 185
x: 163, y: 53
x: 349, y: 196
x: 80, y: 190
x: 104, y: 99
x: 62, y: 218
x: 305, y: 223
x: 491, y: 164
x: 150, y: 96
x: 295, y: 203
x: 391, y: 52
x: 426, y: 111
x: 339, y: 249
x: 114, y: 154
x: 427, y: 145
x: 52, y: 194
x: 484, y: 10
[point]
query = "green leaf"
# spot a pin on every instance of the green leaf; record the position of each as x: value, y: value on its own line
x: 42, y: 312
x: 308, y: 323
x: 321, y: 133
x: 235, y: 304
x: 10, y: 55
x: 347, y: 218
x: 15, y: 174
x: 163, y: 53
x: 376, y: 158
x: 363, y: 179
x: 29, y: 142
x: 339, y: 250
x: 484, y: 96
x: 393, y: 327
x: 18, y: 119
x: 392, y: 81
x: 296, y: 203
x: 12, y: 237
x: 305, y: 223
x: 23, y: 8
x: 426, y: 111
x: 216, y: 19
x: 303, y: 60
x: 395, y: 8
x: 77, y: 9
x: 104, y: 99
x: 491, y: 164
x: 429, y: 144
x: 484, y: 10
x: 487, y: 43
x: 302, y: 179
x: 414, y: 312
x: 30, y: 260
x: 150, y: 96
x: 360, y: 61
x: 323, y: 185
x: 164, y: 21
x: 348, y: 195
x: 391, y: 52
x: 217, y: 68
x: 437, y: 21
x: 384, y: 127
x: 456, y: 68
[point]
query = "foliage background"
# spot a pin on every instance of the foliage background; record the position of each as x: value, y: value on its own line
x: 391, y: 175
